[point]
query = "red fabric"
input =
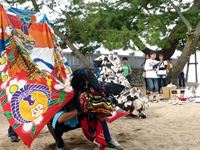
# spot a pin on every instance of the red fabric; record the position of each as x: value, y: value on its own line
x: 100, y: 136
x: 183, y: 98
x: 116, y: 115
x: 93, y: 132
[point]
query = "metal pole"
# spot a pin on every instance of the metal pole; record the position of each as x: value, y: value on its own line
x: 187, y: 70
x: 196, y: 63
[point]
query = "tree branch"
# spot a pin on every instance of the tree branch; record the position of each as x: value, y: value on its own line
x: 197, y: 30
x: 35, y: 5
x: 53, y: 10
x: 185, y: 21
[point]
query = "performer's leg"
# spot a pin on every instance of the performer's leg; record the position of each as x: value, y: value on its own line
x: 106, y: 132
x: 60, y: 129
x: 13, y: 136
x: 111, y: 143
x: 57, y: 134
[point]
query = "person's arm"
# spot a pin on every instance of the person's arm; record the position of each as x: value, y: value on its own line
x: 168, y: 67
x: 146, y: 66
x: 67, y: 116
x: 165, y: 63
x: 158, y: 67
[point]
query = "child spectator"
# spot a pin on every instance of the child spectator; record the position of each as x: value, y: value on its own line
x: 169, y: 68
x: 151, y: 75
x: 169, y: 64
x: 126, y: 69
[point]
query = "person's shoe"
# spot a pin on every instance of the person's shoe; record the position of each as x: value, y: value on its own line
x: 159, y: 97
x: 114, y: 145
x: 14, y: 139
x: 154, y: 99
x: 175, y: 102
x: 142, y: 115
x: 180, y: 102
x: 151, y: 98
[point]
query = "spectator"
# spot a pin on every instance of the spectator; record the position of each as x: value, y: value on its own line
x: 169, y: 64
x: 151, y: 75
x: 182, y: 80
x: 144, y: 74
x: 162, y: 72
x: 169, y: 68
x: 126, y: 69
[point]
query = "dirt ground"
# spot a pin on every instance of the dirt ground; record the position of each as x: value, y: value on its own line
x: 168, y: 127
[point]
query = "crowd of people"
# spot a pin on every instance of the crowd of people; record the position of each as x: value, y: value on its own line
x: 155, y: 73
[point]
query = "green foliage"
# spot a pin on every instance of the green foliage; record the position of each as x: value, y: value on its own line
x: 15, y: 1
x: 115, y: 25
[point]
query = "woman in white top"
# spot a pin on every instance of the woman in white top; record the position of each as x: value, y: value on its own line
x: 162, y: 72
x: 144, y: 74
x: 151, y: 75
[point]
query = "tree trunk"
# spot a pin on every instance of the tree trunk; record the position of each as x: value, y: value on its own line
x: 72, y: 47
x: 192, y: 41
x: 35, y: 5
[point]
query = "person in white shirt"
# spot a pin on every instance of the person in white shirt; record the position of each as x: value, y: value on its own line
x: 162, y: 72
x: 144, y: 74
x: 151, y: 75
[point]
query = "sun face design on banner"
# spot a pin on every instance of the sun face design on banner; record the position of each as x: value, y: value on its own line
x: 30, y: 102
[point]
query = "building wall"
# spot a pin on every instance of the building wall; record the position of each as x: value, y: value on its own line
x: 74, y: 62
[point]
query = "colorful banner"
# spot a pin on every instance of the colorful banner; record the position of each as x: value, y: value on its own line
x: 34, y: 84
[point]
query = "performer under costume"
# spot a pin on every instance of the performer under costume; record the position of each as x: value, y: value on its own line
x: 86, y: 81
x: 74, y: 123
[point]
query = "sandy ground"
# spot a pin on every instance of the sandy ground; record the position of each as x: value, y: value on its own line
x: 167, y: 127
